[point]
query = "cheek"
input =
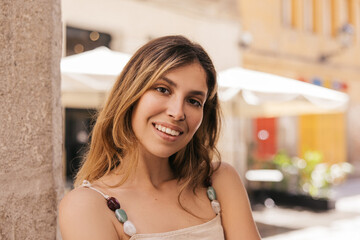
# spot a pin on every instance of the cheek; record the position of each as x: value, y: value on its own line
x: 195, y: 121
x: 139, y: 112
x: 147, y: 105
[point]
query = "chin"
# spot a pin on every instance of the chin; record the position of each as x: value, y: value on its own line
x: 165, y: 153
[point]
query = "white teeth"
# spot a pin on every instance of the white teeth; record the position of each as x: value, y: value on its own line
x: 167, y: 130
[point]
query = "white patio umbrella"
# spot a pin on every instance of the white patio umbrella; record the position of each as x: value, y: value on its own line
x: 254, y: 93
x: 87, y: 77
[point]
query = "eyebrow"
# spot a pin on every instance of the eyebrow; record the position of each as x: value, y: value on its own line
x: 194, y: 92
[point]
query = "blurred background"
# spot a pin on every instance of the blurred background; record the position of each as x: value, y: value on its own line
x: 288, y: 73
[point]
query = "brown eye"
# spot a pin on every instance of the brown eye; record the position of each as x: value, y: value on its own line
x: 195, y: 102
x: 162, y: 90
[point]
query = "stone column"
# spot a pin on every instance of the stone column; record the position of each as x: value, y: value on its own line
x: 30, y: 118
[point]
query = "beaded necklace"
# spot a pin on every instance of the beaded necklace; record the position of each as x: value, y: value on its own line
x: 129, y: 228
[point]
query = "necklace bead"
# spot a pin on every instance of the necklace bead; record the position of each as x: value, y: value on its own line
x: 121, y: 215
x: 215, y: 206
x: 211, y: 193
x: 129, y: 228
x: 113, y: 203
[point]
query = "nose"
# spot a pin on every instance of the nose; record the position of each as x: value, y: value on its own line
x: 175, y: 109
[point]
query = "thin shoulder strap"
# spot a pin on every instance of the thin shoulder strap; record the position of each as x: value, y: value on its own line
x: 114, y: 205
x: 87, y: 184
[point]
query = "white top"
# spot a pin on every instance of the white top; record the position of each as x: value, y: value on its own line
x: 211, y: 230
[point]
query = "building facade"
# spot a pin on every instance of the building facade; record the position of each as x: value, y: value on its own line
x: 317, y: 41
x: 131, y: 23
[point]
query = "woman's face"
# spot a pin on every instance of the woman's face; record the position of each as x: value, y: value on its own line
x: 167, y: 116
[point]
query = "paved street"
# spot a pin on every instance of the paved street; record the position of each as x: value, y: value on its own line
x: 280, y: 223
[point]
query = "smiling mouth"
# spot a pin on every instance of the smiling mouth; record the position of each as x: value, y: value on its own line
x: 167, y: 130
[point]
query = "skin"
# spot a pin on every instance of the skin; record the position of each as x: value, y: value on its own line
x: 150, y: 196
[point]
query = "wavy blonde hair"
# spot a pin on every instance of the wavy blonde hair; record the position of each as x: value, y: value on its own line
x: 112, y: 137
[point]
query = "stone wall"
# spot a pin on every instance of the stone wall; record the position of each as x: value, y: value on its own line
x: 30, y: 118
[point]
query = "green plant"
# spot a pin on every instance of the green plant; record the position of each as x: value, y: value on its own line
x: 310, y: 175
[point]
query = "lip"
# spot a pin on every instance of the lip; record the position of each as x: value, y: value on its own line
x: 167, y: 125
x: 166, y: 136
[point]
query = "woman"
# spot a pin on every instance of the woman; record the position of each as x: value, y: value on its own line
x: 149, y: 172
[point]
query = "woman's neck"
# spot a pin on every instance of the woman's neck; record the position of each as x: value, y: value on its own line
x: 151, y: 172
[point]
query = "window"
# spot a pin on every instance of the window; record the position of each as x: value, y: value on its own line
x: 326, y: 17
x: 286, y: 13
x: 334, y: 16
x: 308, y: 15
x: 296, y: 15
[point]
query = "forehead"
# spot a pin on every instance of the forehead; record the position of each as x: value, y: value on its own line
x: 192, y: 76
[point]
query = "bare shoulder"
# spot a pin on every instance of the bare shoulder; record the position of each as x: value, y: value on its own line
x: 228, y: 184
x: 223, y: 169
x: 236, y: 213
x: 225, y: 176
x: 79, y: 198
x: 83, y: 214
